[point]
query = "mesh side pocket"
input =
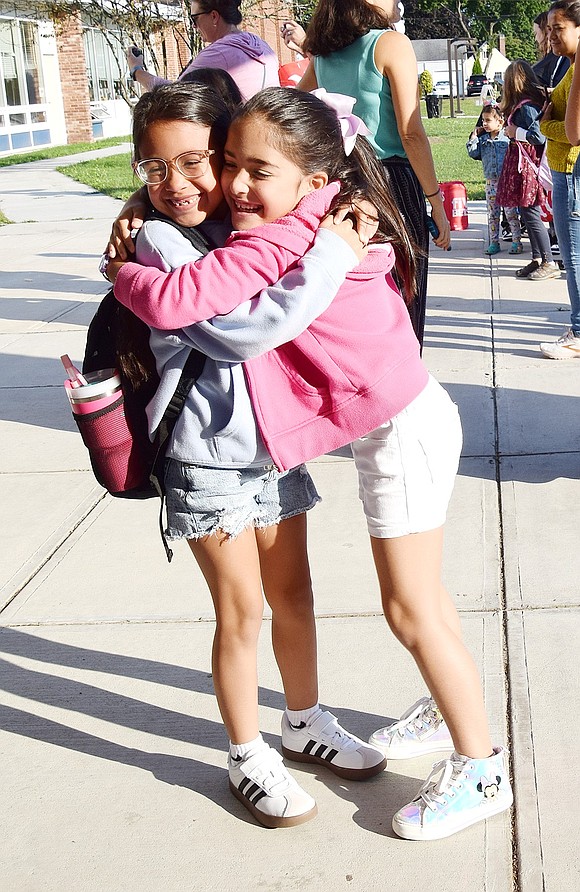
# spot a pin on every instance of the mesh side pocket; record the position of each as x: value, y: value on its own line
x: 119, y: 461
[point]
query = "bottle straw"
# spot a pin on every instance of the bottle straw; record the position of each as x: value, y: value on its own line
x: 75, y: 377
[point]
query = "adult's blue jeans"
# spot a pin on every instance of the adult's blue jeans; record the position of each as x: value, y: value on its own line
x: 566, y: 208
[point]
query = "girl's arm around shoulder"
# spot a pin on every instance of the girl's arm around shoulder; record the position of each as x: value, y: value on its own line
x: 163, y: 247
x: 283, y: 311
x: 226, y: 277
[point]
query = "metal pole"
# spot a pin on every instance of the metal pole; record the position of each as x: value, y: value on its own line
x: 456, y: 52
x: 450, y: 68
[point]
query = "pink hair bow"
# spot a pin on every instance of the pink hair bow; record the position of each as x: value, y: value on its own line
x: 351, y: 125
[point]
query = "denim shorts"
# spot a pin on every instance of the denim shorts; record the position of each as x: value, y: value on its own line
x: 201, y: 500
x: 407, y: 467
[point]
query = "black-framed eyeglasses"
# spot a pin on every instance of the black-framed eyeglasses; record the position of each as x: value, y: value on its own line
x: 191, y: 165
x: 195, y: 15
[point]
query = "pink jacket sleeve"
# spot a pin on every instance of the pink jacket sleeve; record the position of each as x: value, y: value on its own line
x: 226, y: 277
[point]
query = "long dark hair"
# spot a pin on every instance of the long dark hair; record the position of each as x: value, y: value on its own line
x: 199, y: 104
x: 336, y: 24
x: 521, y: 82
x: 307, y: 131
x: 228, y: 9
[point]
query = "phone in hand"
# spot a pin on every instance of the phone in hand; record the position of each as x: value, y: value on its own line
x: 434, y: 229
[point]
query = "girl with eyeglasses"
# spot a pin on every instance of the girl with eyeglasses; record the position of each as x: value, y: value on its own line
x: 244, y: 520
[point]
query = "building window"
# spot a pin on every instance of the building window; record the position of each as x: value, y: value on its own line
x: 106, y: 65
x: 23, y: 112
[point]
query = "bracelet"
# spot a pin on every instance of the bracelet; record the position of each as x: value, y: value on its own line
x: 433, y: 194
x: 136, y: 68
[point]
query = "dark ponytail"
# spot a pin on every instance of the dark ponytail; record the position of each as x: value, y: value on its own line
x: 307, y: 131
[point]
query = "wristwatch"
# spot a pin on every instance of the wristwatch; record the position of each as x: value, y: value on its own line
x: 135, y: 69
x: 103, y: 264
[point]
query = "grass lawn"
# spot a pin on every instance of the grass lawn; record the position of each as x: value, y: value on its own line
x: 448, y: 137
x: 113, y: 175
x: 61, y: 151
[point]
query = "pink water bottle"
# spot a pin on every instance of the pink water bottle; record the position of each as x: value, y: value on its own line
x: 97, y: 403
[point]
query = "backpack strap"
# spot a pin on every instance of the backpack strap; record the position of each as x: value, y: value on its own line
x: 516, y: 107
x: 200, y: 240
x: 191, y: 371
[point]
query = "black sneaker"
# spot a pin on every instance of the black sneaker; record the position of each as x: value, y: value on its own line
x: 525, y: 271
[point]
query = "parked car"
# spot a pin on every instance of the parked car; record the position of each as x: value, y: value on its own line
x: 441, y: 88
x: 475, y: 84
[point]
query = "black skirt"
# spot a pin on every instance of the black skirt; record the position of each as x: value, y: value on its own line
x: 410, y: 200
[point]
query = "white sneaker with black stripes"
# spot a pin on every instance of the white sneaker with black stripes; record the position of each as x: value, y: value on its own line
x: 323, y: 741
x: 263, y: 784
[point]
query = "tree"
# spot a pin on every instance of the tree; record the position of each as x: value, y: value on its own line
x: 476, y: 21
x: 123, y: 23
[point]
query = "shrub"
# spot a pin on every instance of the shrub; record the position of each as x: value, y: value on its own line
x: 426, y: 82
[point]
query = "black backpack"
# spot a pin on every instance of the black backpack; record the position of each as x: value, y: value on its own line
x: 117, y: 339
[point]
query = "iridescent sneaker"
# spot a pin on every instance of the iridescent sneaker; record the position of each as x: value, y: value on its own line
x: 458, y: 792
x: 420, y: 731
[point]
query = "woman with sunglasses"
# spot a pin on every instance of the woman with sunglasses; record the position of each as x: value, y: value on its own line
x: 250, y: 61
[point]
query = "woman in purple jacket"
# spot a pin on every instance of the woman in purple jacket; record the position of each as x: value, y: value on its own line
x: 252, y: 63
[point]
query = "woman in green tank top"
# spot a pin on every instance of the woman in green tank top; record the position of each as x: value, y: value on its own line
x: 355, y: 51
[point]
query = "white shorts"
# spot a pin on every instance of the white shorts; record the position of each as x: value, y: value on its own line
x: 407, y: 467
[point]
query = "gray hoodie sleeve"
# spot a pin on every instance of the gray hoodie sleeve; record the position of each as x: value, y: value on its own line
x: 279, y: 313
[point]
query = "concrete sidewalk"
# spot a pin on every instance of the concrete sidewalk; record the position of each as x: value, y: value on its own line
x: 112, y: 748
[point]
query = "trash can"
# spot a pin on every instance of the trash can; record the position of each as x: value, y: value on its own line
x: 433, y: 103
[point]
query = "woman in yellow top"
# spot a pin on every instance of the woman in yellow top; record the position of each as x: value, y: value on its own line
x: 564, y: 30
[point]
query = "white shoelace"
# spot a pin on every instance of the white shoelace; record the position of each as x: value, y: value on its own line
x: 421, y: 714
x: 433, y: 792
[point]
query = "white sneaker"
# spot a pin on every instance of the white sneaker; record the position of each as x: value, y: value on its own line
x: 458, y: 792
x: 263, y: 784
x: 323, y: 741
x: 566, y: 347
x: 419, y: 731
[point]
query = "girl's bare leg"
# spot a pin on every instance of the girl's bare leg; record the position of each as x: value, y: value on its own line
x: 288, y: 589
x: 232, y: 571
x: 409, y: 573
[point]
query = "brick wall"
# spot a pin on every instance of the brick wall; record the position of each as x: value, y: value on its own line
x: 75, y: 88
x: 266, y: 25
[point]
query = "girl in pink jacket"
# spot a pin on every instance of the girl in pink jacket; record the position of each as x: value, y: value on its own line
x: 357, y: 371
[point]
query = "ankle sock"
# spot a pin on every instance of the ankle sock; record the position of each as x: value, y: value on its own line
x: 301, y: 717
x: 239, y: 751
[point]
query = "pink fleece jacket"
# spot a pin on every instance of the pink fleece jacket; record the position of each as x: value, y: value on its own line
x: 354, y: 368
x: 252, y: 63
